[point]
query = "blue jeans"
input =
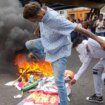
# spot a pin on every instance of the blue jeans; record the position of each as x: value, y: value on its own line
x: 35, y: 46
x: 101, y: 34
x: 59, y: 67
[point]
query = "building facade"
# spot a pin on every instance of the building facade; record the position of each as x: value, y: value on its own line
x: 75, y: 13
x: 78, y: 13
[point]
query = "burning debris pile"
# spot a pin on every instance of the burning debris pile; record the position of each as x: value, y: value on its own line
x: 38, y: 69
x: 37, y: 78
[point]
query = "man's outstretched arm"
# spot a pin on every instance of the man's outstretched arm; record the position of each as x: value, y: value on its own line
x: 91, y: 35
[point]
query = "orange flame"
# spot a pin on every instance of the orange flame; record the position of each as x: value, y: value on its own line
x: 40, y: 67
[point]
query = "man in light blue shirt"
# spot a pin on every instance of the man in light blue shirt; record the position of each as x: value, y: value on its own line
x: 55, y: 40
x: 55, y: 35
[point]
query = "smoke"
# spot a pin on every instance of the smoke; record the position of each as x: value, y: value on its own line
x: 14, y: 30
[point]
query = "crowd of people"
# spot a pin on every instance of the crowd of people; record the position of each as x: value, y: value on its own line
x: 95, y: 24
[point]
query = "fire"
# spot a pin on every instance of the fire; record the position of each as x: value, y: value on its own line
x: 38, y: 69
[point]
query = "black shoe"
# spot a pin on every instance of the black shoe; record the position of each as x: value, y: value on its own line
x: 94, y: 98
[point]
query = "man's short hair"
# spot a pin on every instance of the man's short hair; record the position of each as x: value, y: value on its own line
x: 76, y: 39
x: 31, y: 9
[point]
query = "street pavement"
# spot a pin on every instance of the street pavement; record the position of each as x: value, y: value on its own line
x: 82, y: 89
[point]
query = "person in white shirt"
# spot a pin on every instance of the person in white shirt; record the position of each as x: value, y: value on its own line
x: 99, y: 26
x: 89, y: 49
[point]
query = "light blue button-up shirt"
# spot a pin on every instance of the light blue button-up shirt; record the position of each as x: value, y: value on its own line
x: 55, y: 35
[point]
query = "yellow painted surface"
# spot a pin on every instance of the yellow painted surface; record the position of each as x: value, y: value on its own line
x: 78, y: 13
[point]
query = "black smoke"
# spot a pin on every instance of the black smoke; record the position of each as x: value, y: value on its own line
x: 14, y: 31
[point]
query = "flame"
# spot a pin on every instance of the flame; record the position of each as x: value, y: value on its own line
x: 38, y: 68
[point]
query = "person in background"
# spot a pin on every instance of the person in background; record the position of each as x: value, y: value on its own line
x: 104, y: 26
x: 88, y: 50
x: 99, y: 26
x: 55, y: 38
x: 93, y: 26
x: 85, y: 24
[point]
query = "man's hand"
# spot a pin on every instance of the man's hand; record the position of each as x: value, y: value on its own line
x: 72, y: 82
x: 102, y: 43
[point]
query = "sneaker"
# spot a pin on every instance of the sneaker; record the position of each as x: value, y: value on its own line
x: 94, y: 98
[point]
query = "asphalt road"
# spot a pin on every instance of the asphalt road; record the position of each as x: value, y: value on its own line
x: 80, y: 91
